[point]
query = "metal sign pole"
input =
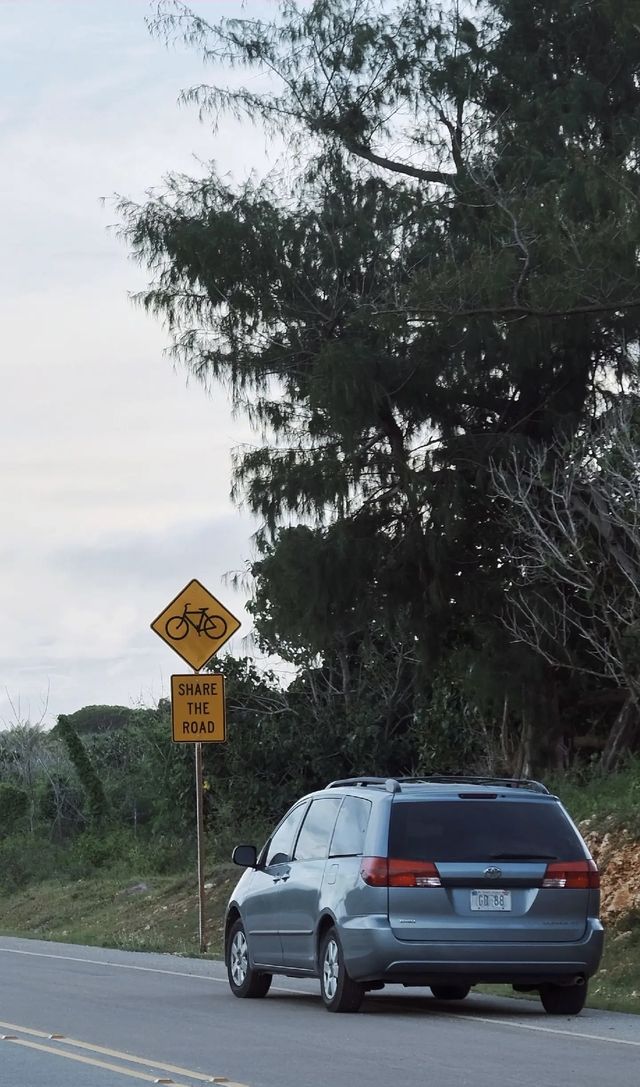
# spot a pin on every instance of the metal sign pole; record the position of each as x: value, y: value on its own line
x: 200, y: 835
x: 196, y: 625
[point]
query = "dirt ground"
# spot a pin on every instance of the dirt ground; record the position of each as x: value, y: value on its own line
x: 617, y: 855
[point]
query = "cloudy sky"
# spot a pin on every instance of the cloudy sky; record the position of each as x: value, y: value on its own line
x: 115, y: 469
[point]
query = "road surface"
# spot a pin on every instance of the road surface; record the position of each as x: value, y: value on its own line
x: 123, y: 1017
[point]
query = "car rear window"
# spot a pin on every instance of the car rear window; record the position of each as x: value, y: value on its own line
x: 481, y: 830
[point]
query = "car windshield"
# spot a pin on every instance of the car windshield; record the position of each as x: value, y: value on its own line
x: 481, y: 830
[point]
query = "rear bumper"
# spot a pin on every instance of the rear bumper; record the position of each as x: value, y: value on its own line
x: 372, y: 953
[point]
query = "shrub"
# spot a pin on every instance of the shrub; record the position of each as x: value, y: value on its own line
x: 27, y: 858
x: 14, y: 804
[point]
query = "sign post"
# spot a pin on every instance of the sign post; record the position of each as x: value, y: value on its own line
x: 202, y: 938
x: 196, y: 625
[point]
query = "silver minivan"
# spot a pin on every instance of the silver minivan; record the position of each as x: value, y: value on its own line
x: 439, y: 882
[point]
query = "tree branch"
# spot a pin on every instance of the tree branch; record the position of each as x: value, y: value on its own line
x: 437, y: 177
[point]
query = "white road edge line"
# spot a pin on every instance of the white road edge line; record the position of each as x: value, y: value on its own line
x: 144, y: 969
x: 545, y: 1030
x: 108, y: 962
x: 304, y: 992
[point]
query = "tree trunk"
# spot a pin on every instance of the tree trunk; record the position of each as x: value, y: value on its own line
x: 524, y: 756
x: 621, y: 735
x: 505, y: 747
x: 346, y: 677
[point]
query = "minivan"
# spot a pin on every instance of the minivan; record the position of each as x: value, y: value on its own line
x: 446, y: 882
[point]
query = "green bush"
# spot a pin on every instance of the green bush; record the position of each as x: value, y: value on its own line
x: 589, y: 792
x: 14, y: 804
x: 27, y: 858
x: 126, y: 855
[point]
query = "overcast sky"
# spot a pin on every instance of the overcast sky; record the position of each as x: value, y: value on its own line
x: 115, y: 469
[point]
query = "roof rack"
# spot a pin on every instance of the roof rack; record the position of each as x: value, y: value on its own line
x: 394, y: 785
x: 390, y: 784
x: 483, y: 779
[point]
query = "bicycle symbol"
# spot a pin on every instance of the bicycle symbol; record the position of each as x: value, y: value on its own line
x: 177, y: 626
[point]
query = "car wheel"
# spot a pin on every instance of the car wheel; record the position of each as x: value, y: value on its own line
x: 244, y: 981
x: 563, y: 999
x: 450, y: 992
x: 339, y: 992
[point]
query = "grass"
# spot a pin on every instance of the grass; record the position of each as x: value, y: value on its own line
x: 610, y: 798
x: 152, y: 914
x: 616, y: 986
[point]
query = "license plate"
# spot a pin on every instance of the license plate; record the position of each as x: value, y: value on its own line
x: 491, y: 901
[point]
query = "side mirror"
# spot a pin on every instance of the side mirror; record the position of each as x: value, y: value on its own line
x: 246, y: 855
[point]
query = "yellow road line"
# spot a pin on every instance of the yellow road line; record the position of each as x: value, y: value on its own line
x: 115, y: 1053
x: 89, y: 1060
x: 26, y: 1030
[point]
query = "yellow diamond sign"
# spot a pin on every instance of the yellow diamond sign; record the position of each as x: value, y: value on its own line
x: 195, y: 624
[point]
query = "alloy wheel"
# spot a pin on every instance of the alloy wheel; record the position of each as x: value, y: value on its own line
x: 239, y: 958
x: 330, y: 969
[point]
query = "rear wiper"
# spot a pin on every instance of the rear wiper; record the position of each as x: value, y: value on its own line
x: 523, y: 857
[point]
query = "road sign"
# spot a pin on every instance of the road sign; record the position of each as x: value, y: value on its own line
x: 195, y: 624
x: 197, y: 709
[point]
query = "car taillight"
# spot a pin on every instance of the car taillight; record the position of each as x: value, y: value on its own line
x: 572, y: 874
x: 389, y: 872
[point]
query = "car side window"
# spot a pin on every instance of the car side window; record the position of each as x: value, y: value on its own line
x: 350, y: 828
x: 313, y: 840
x: 280, y: 847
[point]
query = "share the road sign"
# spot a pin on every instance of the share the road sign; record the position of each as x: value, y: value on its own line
x: 195, y: 624
x: 197, y: 709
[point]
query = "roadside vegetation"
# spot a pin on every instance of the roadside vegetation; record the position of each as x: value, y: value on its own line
x: 133, y: 885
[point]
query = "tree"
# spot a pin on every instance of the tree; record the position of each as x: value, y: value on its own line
x: 147, y: 779
x: 572, y: 517
x: 88, y: 777
x: 100, y: 718
x: 443, y: 270
x: 22, y: 757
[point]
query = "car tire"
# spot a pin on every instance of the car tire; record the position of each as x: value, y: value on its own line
x: 244, y: 981
x: 450, y: 992
x: 339, y: 992
x: 563, y: 999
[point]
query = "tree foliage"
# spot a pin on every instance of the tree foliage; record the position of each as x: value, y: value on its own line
x: 89, y: 778
x: 92, y: 719
x: 441, y: 273
x: 14, y: 805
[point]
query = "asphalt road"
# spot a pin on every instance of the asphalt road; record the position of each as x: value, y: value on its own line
x: 125, y: 1016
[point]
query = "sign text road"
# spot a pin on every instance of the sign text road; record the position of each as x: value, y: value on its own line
x: 195, y: 624
x: 197, y: 709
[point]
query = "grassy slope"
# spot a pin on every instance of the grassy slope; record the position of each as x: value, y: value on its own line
x: 158, y: 913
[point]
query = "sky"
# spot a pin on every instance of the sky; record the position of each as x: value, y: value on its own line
x: 115, y: 468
